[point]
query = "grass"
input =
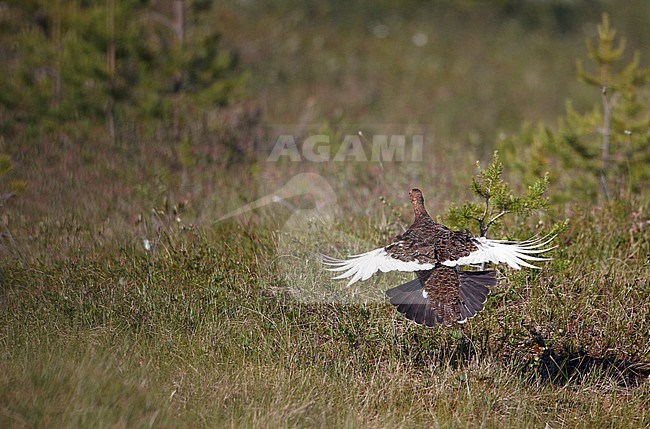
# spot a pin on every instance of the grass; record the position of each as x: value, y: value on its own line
x: 207, y: 333
x: 234, y: 324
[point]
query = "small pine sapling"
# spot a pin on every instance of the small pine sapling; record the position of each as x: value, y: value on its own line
x: 498, y: 200
x: 622, y: 145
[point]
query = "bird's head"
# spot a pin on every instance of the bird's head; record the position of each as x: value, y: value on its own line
x: 417, y: 201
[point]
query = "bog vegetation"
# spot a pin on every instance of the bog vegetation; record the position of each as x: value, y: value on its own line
x: 128, y: 128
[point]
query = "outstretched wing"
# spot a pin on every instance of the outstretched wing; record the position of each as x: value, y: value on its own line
x: 364, y: 265
x: 513, y: 253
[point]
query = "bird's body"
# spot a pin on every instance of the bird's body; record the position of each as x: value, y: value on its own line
x: 441, y: 293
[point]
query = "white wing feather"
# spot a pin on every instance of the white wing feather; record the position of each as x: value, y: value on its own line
x: 513, y: 253
x: 364, y: 265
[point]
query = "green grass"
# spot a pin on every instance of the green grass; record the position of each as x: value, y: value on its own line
x: 209, y: 328
x: 207, y: 333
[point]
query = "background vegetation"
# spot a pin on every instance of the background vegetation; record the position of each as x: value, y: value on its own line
x: 128, y: 128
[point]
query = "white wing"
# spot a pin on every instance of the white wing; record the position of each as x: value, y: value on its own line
x: 361, y: 267
x: 513, y: 253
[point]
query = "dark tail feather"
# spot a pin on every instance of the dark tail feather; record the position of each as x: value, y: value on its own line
x: 410, y: 301
x: 474, y: 289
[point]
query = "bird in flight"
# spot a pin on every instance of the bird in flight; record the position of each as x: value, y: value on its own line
x: 441, y: 293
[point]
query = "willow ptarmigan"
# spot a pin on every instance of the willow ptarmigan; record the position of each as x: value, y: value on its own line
x: 441, y: 293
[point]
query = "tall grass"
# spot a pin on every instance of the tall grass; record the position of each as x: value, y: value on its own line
x: 207, y: 333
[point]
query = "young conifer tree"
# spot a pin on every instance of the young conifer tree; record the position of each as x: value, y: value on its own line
x: 498, y: 200
x: 612, y: 142
x: 600, y: 153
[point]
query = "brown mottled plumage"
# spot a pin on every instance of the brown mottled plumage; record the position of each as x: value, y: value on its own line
x: 427, y: 240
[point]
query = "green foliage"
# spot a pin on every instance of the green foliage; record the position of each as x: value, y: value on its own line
x: 497, y: 200
x: 9, y: 188
x: 606, y: 149
x: 5, y: 165
x: 526, y: 151
x: 612, y: 142
x: 110, y: 62
x: 185, y: 156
